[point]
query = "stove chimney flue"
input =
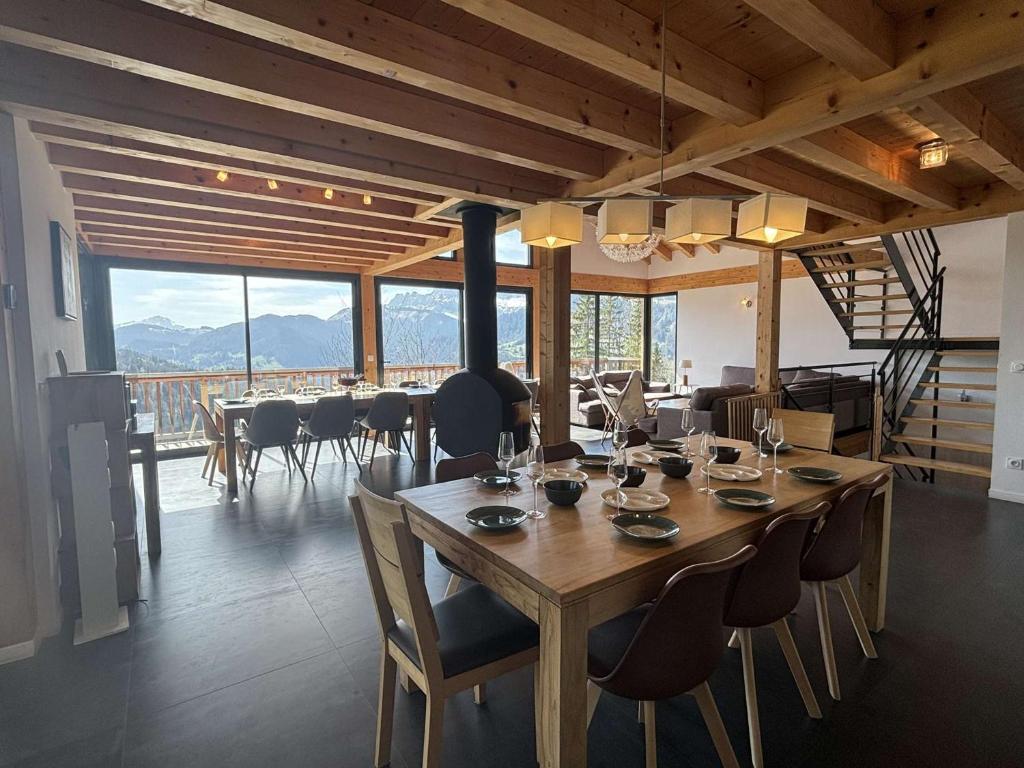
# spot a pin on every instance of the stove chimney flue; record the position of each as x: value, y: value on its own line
x: 479, y: 223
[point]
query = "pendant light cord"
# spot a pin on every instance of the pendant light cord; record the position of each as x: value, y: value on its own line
x: 661, y: 122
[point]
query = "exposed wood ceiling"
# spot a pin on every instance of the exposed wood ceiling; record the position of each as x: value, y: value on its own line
x: 403, y: 108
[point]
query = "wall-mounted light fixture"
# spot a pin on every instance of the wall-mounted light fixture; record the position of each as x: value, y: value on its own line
x: 746, y: 302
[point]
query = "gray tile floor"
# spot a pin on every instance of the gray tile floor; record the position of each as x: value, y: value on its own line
x: 257, y: 646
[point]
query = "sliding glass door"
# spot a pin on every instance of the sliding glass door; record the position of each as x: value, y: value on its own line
x: 606, y: 332
x: 420, y: 328
x: 582, y: 333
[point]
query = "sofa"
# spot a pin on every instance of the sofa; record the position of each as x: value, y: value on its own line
x: 585, y: 409
x: 804, y: 389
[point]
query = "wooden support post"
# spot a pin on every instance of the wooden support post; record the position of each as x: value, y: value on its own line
x: 555, y: 280
x: 368, y: 306
x: 769, y: 284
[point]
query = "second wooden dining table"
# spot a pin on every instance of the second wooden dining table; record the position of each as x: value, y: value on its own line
x: 572, y: 570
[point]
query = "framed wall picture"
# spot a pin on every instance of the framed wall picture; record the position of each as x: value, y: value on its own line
x: 65, y: 289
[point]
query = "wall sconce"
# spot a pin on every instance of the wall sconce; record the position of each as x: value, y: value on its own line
x: 746, y: 302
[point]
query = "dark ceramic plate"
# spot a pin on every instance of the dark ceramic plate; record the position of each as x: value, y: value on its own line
x: 645, y: 527
x: 664, y: 445
x: 593, y: 459
x: 497, y: 478
x: 815, y: 474
x: 743, y: 498
x: 783, y: 447
x: 495, y: 518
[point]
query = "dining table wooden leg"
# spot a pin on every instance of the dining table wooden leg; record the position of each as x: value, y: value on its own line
x: 563, y: 680
x: 230, y: 468
x: 421, y: 428
x: 874, y: 563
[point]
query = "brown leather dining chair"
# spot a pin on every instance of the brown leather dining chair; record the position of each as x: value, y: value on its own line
x: 561, y: 451
x: 764, y: 592
x: 832, y: 554
x: 668, y: 648
x: 462, y: 641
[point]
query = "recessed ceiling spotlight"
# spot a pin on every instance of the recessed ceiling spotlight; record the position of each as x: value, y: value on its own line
x: 933, y: 154
x: 367, y: 200
x: 222, y: 176
x: 271, y: 184
x: 328, y: 193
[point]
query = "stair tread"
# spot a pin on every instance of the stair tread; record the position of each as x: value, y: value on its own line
x: 956, y: 423
x: 954, y: 404
x: 941, y: 464
x: 871, y: 281
x: 964, y: 369
x: 958, y: 385
x: 968, y: 352
x: 870, y: 245
x: 890, y: 297
x: 877, y: 328
x: 938, y: 442
x: 877, y: 313
x: 879, y: 264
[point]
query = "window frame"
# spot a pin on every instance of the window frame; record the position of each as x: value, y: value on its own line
x: 645, y: 355
x: 648, y: 331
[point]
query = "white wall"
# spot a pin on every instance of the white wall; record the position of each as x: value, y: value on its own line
x: 587, y: 258
x: 1008, y: 484
x: 973, y: 255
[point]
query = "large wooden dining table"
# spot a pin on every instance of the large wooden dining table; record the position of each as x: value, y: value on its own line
x: 228, y: 413
x: 572, y: 570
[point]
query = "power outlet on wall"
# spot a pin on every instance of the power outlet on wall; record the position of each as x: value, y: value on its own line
x: 1015, y: 462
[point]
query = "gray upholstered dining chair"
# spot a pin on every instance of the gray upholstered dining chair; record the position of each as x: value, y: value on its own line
x: 387, y: 415
x: 274, y: 424
x: 331, y: 419
x: 667, y: 648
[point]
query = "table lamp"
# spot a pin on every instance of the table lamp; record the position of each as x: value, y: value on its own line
x: 684, y: 367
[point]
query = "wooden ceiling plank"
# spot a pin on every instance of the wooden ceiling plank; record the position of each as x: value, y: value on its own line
x: 214, y: 201
x: 225, y: 259
x: 92, y: 221
x: 88, y: 205
x: 74, y: 137
x: 187, y: 246
x: 367, y: 38
x: 612, y: 36
x: 963, y: 120
x: 434, y: 247
x: 135, y: 42
x: 857, y: 35
x: 664, y: 250
x: 962, y: 42
x: 425, y: 212
x: 761, y: 174
x: 842, y: 151
x: 90, y: 163
x: 41, y: 86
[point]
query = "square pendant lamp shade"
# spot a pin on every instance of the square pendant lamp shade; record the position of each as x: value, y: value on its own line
x: 552, y: 225
x: 771, y: 217
x: 623, y: 222
x: 698, y: 220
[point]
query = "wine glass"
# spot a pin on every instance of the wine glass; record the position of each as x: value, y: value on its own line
x: 506, y: 452
x: 775, y: 437
x: 617, y: 474
x: 688, y: 428
x: 535, y: 471
x: 620, y: 435
x: 708, y: 452
x: 760, y: 426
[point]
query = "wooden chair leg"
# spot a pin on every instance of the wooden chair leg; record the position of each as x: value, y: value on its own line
x: 825, y: 632
x: 750, y: 693
x: 734, y: 639
x: 433, y: 730
x: 453, y: 585
x: 650, y: 740
x: 480, y: 694
x: 713, y: 720
x: 796, y: 666
x: 385, y: 710
x: 857, y: 617
x: 593, y: 697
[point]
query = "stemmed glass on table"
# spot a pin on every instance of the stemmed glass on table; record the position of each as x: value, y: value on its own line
x: 708, y: 452
x: 620, y: 435
x: 506, y: 452
x: 688, y: 428
x: 535, y: 471
x: 617, y: 474
x: 775, y: 437
x: 761, y: 426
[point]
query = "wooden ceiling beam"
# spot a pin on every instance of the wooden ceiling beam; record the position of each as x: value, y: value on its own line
x: 214, y: 201
x: 107, y: 166
x: 121, y: 38
x: 97, y: 233
x: 41, y: 86
x: 665, y: 250
x: 964, y: 41
x: 225, y: 259
x: 364, y: 37
x: 761, y: 174
x: 613, y: 37
x: 857, y: 35
x: 842, y: 151
x: 963, y: 120
x: 118, y: 145
x: 112, y: 223
x: 88, y: 206
x: 219, y: 250
x: 429, y: 211
x: 434, y: 247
